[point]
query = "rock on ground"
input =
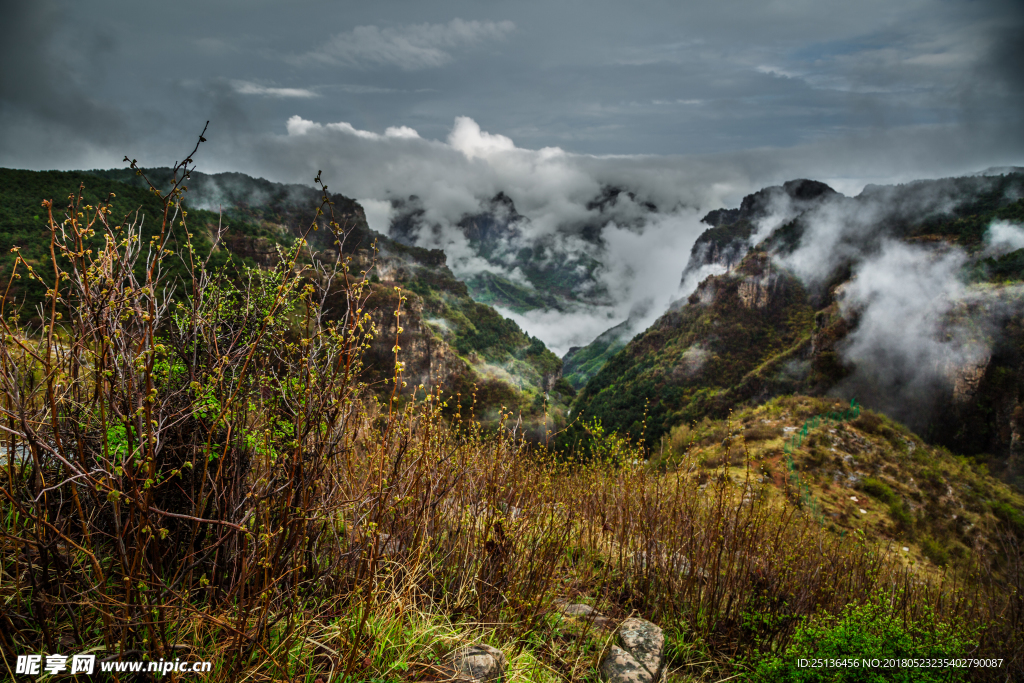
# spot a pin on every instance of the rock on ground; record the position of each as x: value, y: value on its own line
x: 618, y: 666
x: 480, y: 664
x: 645, y: 641
x: 640, y: 657
x: 587, y: 613
x: 578, y: 610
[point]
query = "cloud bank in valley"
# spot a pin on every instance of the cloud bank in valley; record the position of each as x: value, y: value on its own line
x: 641, y: 251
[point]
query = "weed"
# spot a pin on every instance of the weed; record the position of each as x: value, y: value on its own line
x: 874, y: 630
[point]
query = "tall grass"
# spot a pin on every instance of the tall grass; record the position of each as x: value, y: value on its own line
x: 205, y: 475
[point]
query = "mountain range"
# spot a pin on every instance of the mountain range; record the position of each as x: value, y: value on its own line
x: 906, y: 298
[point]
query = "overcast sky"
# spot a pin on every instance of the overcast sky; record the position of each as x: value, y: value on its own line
x: 84, y: 83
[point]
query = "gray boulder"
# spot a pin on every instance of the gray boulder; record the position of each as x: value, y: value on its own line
x: 587, y: 613
x: 645, y: 641
x: 578, y: 610
x: 479, y: 664
x: 639, y: 660
x: 618, y: 666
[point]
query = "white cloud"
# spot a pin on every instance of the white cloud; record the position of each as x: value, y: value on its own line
x: 904, y: 349
x: 560, y: 330
x: 248, y: 88
x: 467, y: 137
x: 401, y: 132
x: 411, y: 47
x: 378, y: 214
x: 1002, y: 237
x: 296, y: 125
x: 775, y: 71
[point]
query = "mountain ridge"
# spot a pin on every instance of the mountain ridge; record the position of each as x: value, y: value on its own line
x: 448, y: 340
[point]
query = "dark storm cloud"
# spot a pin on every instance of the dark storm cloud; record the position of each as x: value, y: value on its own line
x: 45, y: 96
x: 600, y: 78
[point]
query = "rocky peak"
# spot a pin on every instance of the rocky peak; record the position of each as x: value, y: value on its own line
x: 806, y: 190
x: 610, y: 196
x: 728, y: 239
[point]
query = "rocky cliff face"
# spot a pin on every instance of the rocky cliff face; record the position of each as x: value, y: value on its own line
x: 452, y: 343
x: 429, y: 361
x: 760, y: 289
x: 967, y: 379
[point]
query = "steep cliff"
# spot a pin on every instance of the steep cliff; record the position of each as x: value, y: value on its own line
x: 731, y: 342
x: 734, y: 231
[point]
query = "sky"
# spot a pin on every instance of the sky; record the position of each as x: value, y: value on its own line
x: 87, y: 83
x: 691, y: 105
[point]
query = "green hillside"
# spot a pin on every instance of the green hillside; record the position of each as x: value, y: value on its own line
x: 244, y: 221
x: 746, y: 336
x: 730, y: 343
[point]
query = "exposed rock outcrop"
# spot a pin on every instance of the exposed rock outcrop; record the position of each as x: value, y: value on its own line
x: 618, y: 666
x: 645, y: 641
x: 586, y: 613
x: 760, y: 284
x: 967, y: 379
x: 428, y: 359
x: 732, y: 232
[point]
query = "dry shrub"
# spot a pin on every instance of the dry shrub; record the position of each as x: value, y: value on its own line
x: 762, y: 433
x: 869, y: 422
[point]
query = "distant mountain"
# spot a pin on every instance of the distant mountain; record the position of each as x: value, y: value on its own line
x: 583, y: 362
x: 909, y: 298
x: 716, y: 251
x: 525, y: 268
x: 448, y: 341
x: 734, y: 231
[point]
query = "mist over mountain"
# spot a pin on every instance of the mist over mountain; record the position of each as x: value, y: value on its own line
x: 613, y: 261
x: 904, y: 297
